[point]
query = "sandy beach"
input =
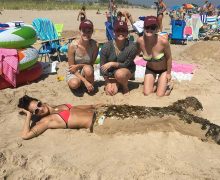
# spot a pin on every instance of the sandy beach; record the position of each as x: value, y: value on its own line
x: 157, y: 149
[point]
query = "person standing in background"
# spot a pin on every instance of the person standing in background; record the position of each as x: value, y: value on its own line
x: 82, y: 14
x: 161, y: 8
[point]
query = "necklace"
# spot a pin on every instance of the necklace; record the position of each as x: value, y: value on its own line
x: 117, y: 50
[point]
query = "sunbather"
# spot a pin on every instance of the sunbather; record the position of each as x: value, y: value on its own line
x: 82, y: 54
x: 82, y: 14
x: 117, y: 60
x: 53, y: 117
x: 41, y: 116
x: 156, y: 51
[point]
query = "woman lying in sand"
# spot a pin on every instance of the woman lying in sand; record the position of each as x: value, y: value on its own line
x: 57, y: 117
x: 82, y: 54
x: 156, y: 51
x: 76, y: 117
x: 117, y: 60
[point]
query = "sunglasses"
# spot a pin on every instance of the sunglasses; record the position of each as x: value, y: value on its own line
x: 153, y: 28
x: 87, y: 31
x: 37, y: 110
x: 121, y: 31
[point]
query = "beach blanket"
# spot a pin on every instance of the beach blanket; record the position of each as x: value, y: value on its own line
x: 211, y: 20
x: 196, y: 23
x: 204, y: 18
x: 9, y: 65
x: 138, y: 26
x: 180, y: 72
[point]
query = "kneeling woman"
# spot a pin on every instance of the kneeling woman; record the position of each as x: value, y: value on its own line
x: 58, y: 117
x: 156, y: 51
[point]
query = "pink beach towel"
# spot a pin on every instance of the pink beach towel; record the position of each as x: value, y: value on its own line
x: 184, y: 68
x: 187, y: 30
x: 176, y: 67
x: 9, y: 65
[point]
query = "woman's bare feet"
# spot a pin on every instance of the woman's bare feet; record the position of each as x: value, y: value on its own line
x: 125, y: 91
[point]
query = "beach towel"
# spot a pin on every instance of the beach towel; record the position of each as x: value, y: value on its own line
x: 204, y: 18
x: 196, y: 23
x: 187, y: 30
x: 138, y: 26
x: 211, y: 20
x: 9, y: 65
x: 179, y: 71
x: 176, y: 67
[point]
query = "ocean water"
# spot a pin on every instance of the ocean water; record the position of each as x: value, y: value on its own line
x: 173, y: 2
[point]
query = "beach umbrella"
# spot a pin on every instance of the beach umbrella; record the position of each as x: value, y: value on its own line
x: 195, y: 5
x: 188, y: 6
x: 174, y: 8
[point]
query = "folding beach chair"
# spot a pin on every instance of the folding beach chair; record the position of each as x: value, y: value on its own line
x: 46, y: 32
x: 177, y: 35
x: 59, y: 29
x: 109, y: 30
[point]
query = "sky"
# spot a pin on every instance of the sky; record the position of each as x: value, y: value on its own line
x: 173, y: 2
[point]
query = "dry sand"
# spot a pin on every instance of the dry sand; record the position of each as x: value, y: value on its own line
x: 121, y: 150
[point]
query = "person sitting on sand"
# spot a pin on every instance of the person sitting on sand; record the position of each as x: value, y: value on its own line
x: 125, y: 16
x: 117, y: 60
x: 98, y: 12
x: 82, y: 54
x: 156, y: 51
x: 82, y: 14
x: 53, y: 117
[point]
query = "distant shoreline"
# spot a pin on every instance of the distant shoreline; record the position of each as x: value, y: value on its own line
x: 43, y: 5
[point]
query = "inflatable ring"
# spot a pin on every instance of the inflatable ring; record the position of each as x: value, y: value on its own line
x: 24, y: 77
x: 17, y: 37
x: 27, y: 58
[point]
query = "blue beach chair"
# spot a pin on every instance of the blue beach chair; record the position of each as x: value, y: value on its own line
x: 46, y: 32
x: 109, y: 31
x: 178, y: 31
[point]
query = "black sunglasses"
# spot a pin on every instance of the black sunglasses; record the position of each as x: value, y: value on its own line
x: 121, y: 31
x: 37, y: 110
x: 153, y: 28
x: 87, y: 31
